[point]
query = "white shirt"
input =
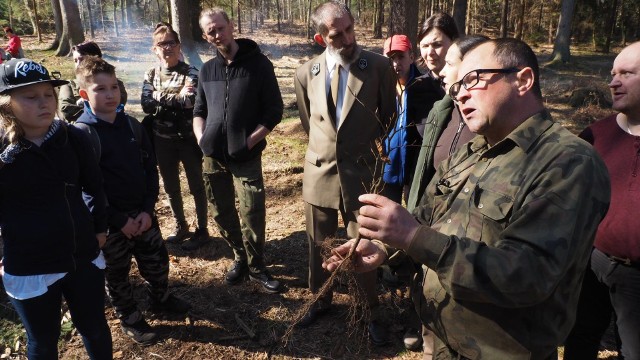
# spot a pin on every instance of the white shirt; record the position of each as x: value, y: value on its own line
x: 22, y: 287
x: 342, y: 86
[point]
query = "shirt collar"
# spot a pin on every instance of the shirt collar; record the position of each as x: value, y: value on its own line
x: 523, y: 136
x: 527, y: 133
x: 331, y: 63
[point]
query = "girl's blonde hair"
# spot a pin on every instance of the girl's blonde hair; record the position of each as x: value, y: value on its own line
x: 10, y: 128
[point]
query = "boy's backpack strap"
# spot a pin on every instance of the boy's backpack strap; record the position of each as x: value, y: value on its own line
x: 93, y: 136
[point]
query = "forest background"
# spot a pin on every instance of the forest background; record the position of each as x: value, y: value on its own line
x: 576, y: 41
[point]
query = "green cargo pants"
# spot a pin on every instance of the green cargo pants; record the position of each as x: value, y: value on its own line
x: 220, y: 181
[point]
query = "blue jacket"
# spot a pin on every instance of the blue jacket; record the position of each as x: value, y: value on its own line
x: 46, y: 226
x: 403, y: 141
x: 128, y: 167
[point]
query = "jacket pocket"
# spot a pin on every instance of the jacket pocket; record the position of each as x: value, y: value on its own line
x: 312, y: 158
x: 495, y: 208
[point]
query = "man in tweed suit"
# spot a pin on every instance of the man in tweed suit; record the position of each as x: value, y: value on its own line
x: 346, y: 99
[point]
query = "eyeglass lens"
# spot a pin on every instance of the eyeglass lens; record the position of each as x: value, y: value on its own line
x: 167, y: 44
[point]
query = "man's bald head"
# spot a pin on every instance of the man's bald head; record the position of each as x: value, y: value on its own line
x: 625, y: 82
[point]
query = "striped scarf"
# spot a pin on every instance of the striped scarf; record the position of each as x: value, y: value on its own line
x: 9, y: 153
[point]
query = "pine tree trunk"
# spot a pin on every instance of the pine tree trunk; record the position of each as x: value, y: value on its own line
x: 460, y: 15
x: 611, y: 25
x: 181, y: 20
x: 91, y: 20
x: 403, y: 18
x: 57, y: 19
x: 561, y: 46
x: 27, y: 5
x: 504, y: 19
x: 35, y: 13
x: 72, y: 31
x: 278, y: 14
x: 115, y: 22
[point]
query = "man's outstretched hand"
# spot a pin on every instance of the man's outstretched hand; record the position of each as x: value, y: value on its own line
x: 368, y: 256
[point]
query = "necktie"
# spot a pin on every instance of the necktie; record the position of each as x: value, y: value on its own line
x: 335, y: 85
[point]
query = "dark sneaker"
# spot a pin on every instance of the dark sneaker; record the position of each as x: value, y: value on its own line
x: 179, y: 233
x: 316, y: 310
x: 199, y: 238
x: 265, y: 279
x: 378, y: 333
x: 172, y: 304
x: 139, y: 331
x: 237, y: 272
x: 413, y: 340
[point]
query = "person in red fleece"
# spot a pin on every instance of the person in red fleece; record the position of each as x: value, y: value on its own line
x: 15, y: 45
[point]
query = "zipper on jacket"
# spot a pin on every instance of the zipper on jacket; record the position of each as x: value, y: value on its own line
x: 456, y: 137
x: 226, y: 100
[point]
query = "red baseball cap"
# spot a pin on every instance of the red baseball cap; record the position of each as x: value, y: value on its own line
x: 397, y: 43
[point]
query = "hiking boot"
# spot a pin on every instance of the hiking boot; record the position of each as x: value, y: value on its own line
x: 237, y: 272
x: 172, y: 304
x: 265, y: 279
x: 179, y: 233
x: 199, y: 238
x: 138, y: 330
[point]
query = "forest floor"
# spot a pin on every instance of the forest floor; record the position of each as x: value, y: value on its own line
x: 212, y: 330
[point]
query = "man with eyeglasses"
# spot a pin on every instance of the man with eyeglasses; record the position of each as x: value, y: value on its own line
x: 505, y: 228
x: 238, y: 103
x: 612, y: 281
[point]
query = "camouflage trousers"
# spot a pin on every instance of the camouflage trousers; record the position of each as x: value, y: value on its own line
x: 153, y: 263
x: 222, y: 181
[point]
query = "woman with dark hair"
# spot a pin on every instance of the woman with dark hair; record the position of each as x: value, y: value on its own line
x: 168, y: 96
x: 70, y: 104
x: 436, y: 35
x: 445, y: 132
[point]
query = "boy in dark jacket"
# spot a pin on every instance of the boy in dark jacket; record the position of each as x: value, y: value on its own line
x: 131, y: 186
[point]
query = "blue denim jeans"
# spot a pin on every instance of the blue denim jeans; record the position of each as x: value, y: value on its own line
x: 609, y: 288
x: 83, y: 289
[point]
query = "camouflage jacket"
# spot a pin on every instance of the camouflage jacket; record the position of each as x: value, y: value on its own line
x: 507, y: 232
x: 162, y: 98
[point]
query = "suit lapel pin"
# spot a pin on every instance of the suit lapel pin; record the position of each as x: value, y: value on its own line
x: 315, y: 69
x: 362, y: 63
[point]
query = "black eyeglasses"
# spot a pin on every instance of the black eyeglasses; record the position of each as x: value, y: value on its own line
x: 167, y: 44
x: 472, y: 78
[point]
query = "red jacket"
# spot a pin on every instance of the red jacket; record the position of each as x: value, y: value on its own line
x: 14, y: 46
